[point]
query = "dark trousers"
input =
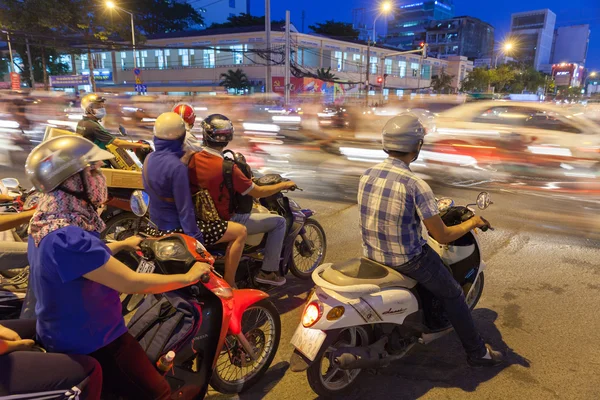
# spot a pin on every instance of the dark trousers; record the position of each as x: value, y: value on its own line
x: 128, y: 372
x: 429, y: 270
x: 24, y: 372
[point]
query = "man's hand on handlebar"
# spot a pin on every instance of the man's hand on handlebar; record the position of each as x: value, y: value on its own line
x: 197, y: 270
x: 481, y: 223
x: 289, y: 185
x: 131, y: 243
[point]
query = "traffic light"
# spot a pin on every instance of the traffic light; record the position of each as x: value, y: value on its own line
x: 379, y: 79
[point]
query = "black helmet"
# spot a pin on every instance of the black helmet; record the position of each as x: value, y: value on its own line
x: 218, y: 129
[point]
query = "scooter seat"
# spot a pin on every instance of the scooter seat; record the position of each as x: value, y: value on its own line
x: 366, y: 271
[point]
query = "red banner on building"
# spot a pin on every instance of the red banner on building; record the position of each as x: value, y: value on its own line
x: 15, y: 81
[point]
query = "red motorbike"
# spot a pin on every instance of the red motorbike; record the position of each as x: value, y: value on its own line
x: 239, y: 331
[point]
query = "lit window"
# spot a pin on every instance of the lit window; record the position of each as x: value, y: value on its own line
x: 209, y: 59
x: 402, y: 68
x: 388, y: 66
x: 160, y: 59
x: 415, y: 69
x: 238, y: 53
x: 338, y: 59
x: 184, y: 57
x: 373, y: 65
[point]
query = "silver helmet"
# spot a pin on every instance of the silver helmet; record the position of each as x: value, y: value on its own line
x: 403, y: 133
x: 54, y: 161
x: 89, y: 101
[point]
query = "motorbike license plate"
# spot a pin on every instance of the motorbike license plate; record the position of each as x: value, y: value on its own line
x: 145, y: 267
x: 308, y: 341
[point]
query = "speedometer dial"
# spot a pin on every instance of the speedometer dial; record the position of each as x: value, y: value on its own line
x: 445, y: 203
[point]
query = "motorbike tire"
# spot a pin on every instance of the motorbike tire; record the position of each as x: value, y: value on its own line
x: 117, y: 220
x: 479, y: 284
x: 314, y: 373
x: 232, y: 387
x: 306, y: 275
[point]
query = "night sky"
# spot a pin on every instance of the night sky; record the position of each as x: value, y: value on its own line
x: 497, y: 13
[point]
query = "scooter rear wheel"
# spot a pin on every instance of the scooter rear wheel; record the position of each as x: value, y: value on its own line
x: 324, y: 377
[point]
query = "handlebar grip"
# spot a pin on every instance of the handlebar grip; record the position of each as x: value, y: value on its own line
x: 205, y: 278
x: 484, y: 228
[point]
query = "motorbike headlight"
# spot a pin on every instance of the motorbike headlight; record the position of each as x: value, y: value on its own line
x: 171, y: 249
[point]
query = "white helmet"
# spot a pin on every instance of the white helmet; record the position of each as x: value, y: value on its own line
x: 403, y: 133
x: 169, y: 126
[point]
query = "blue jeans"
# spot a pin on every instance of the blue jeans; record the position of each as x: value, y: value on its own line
x: 272, y: 224
x: 428, y: 269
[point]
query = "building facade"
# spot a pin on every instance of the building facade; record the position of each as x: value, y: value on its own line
x: 568, y: 74
x: 192, y: 62
x: 461, y: 36
x: 571, y: 44
x: 408, y: 27
x: 533, y: 34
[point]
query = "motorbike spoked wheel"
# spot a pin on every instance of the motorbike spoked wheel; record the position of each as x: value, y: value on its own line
x: 328, y: 380
x: 236, y: 371
x: 122, y: 226
x: 309, y: 250
x: 475, y: 292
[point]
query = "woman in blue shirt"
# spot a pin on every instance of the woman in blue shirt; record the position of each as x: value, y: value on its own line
x: 74, y: 275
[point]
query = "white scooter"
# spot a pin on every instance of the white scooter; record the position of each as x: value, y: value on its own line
x: 363, y: 314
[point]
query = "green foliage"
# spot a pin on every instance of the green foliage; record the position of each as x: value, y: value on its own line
x: 162, y: 16
x: 477, y: 81
x: 335, y: 29
x: 442, y: 83
x: 325, y: 74
x: 243, y: 20
x: 237, y: 80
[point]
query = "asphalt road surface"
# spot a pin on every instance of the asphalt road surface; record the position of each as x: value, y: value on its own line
x: 539, y: 305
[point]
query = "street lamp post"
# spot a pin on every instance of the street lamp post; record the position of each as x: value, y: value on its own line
x: 384, y: 8
x: 506, y: 48
x: 112, y: 5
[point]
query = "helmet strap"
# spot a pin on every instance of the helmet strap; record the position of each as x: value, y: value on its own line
x: 418, y: 150
x: 81, y: 195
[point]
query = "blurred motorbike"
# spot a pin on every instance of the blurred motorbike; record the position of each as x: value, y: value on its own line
x: 304, y: 246
x: 363, y: 314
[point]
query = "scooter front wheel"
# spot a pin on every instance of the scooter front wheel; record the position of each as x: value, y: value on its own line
x: 328, y: 380
x: 309, y: 250
x: 236, y: 371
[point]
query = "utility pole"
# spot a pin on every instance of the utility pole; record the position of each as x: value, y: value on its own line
x: 288, y: 52
x: 423, y: 55
x: 367, y: 85
x: 30, y: 64
x: 12, y: 65
x: 269, y: 82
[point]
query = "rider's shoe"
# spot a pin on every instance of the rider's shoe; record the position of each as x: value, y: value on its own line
x: 270, y: 278
x: 491, y: 358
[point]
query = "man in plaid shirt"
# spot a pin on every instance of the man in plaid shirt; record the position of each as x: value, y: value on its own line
x: 393, y: 202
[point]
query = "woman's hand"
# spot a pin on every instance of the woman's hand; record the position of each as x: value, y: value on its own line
x: 8, y: 346
x: 197, y: 270
x: 8, y: 334
x: 131, y: 243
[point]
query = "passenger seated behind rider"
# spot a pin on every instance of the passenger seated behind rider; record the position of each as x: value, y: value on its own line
x: 206, y: 171
x: 171, y: 208
x: 187, y: 113
x: 74, y: 275
x: 393, y: 201
x: 90, y: 128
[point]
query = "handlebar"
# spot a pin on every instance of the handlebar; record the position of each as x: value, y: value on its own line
x: 205, y: 278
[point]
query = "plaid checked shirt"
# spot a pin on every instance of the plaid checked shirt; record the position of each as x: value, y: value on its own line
x: 393, y: 201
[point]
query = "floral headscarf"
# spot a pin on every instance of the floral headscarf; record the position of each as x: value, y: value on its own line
x: 58, y: 209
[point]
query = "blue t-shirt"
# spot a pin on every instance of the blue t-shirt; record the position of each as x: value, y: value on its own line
x: 74, y: 315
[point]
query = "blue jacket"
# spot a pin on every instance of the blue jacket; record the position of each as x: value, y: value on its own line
x: 171, y: 205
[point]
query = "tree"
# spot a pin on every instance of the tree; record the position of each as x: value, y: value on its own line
x: 163, y: 16
x: 477, y: 81
x: 500, y: 77
x: 237, y: 80
x: 335, y: 29
x: 325, y: 74
x: 243, y: 20
x: 442, y: 83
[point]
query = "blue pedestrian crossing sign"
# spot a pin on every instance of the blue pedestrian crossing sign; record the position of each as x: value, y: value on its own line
x: 137, y: 71
x: 141, y: 88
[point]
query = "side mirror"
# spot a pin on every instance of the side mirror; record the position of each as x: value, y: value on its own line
x: 139, y: 202
x: 483, y: 200
x: 10, y: 183
x: 122, y: 130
